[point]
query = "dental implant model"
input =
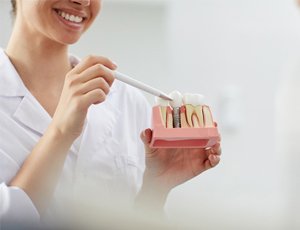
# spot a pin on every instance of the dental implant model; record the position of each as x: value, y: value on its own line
x: 183, y: 123
x: 176, y: 104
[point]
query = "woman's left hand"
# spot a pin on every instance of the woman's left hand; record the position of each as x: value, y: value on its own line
x: 167, y: 168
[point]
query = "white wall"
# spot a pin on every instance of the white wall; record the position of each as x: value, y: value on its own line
x: 235, y: 49
x: 233, y: 52
x: 5, y: 22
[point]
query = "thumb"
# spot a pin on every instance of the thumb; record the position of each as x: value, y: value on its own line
x: 146, y: 136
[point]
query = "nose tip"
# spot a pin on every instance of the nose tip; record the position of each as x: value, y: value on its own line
x: 82, y: 2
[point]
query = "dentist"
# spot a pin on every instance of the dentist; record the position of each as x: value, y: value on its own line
x: 68, y: 131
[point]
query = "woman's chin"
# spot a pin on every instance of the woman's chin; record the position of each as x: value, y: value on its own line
x: 68, y: 40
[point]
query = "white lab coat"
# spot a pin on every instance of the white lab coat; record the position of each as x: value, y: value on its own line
x: 106, y: 160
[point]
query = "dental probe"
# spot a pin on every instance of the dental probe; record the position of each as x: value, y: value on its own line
x: 137, y: 84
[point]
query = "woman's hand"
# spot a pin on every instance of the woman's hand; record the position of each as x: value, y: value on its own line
x: 86, y: 84
x: 167, y: 168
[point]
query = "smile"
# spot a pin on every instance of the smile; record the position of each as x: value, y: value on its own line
x: 70, y: 17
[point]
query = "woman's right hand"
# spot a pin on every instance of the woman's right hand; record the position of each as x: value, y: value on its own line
x: 87, y: 83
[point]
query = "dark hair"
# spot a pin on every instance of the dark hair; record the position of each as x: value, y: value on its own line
x: 14, y: 6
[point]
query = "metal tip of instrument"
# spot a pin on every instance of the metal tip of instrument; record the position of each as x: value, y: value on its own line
x: 165, y: 96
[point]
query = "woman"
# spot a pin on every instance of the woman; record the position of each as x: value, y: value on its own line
x: 69, y: 130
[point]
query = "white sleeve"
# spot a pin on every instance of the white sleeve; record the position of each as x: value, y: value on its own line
x: 145, y: 112
x: 16, y: 207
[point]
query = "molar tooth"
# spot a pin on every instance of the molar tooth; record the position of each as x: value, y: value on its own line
x: 194, y: 109
x: 208, y: 120
x: 200, y: 115
x: 189, y: 112
x: 193, y: 99
x: 195, y: 121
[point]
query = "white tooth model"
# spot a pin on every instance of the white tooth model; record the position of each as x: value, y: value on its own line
x: 176, y: 104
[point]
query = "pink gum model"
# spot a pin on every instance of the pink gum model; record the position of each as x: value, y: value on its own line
x: 163, y: 137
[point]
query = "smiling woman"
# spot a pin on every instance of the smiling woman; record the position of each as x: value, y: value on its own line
x: 71, y: 135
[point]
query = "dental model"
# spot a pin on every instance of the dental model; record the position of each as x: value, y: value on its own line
x: 165, y: 112
x: 183, y: 123
x: 194, y: 114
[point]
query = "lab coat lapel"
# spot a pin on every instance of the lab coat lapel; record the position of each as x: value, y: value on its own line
x: 32, y: 114
x: 29, y: 112
x: 93, y: 169
x: 94, y: 159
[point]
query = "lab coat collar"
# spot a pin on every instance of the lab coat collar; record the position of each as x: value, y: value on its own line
x: 11, y: 84
x: 29, y: 112
x: 32, y: 114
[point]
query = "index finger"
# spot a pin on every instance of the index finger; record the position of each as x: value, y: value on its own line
x: 91, y: 61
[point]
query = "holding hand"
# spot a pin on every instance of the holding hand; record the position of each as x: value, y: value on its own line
x: 86, y: 84
x: 167, y: 168
x: 171, y: 167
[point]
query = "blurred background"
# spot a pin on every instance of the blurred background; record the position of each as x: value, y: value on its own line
x: 237, y: 53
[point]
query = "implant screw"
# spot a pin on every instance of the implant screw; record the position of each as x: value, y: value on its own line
x: 176, y: 117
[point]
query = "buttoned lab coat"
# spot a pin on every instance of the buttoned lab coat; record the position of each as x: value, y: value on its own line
x: 107, y: 159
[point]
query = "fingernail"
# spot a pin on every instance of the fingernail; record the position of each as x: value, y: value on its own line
x: 115, y: 65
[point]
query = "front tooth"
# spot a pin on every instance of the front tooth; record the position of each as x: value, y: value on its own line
x: 67, y: 16
x: 72, y: 18
x: 78, y: 19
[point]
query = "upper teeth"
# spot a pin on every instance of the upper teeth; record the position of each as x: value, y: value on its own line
x: 70, y: 17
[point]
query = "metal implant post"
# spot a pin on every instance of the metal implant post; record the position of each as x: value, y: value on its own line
x: 176, y: 117
x: 176, y: 103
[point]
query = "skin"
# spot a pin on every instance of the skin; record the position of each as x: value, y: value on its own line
x: 168, y: 168
x: 41, y: 59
